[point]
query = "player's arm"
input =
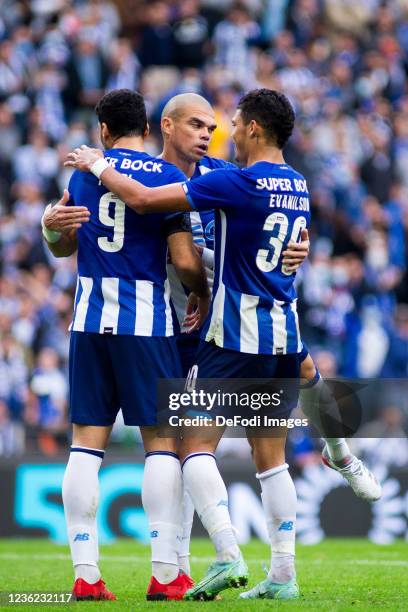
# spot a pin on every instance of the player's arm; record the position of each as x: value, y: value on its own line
x: 60, y: 224
x: 188, y: 264
x: 135, y: 195
x: 65, y: 245
x: 190, y: 270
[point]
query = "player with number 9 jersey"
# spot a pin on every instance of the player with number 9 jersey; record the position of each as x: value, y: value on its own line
x: 122, y: 278
x: 123, y: 323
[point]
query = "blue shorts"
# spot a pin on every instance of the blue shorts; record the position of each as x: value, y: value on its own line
x: 187, y: 345
x: 109, y: 373
x: 215, y: 362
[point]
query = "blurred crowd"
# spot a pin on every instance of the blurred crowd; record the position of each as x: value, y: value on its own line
x: 344, y: 65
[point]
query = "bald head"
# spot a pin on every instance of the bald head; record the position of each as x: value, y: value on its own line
x: 187, y: 124
x: 186, y: 103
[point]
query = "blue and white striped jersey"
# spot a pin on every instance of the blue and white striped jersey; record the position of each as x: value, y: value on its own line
x: 258, y: 210
x: 122, y: 280
x: 202, y: 227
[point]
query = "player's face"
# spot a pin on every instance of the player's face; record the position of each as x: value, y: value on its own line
x: 239, y: 136
x: 190, y: 134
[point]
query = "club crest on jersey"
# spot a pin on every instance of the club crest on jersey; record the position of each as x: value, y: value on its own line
x: 209, y: 231
x: 81, y: 537
x: 286, y: 526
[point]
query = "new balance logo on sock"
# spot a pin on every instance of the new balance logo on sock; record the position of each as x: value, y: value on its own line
x: 286, y: 526
x: 81, y: 537
x: 154, y: 534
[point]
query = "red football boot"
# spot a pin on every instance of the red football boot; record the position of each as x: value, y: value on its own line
x: 189, y: 581
x: 83, y: 591
x: 166, y: 592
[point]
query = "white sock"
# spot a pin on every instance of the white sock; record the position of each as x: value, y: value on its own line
x: 279, y: 503
x: 89, y: 573
x: 188, y: 516
x: 162, y: 498
x: 80, y: 494
x: 209, y: 495
x: 315, y: 401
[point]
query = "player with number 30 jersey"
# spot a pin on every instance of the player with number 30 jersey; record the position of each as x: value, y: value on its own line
x: 258, y: 210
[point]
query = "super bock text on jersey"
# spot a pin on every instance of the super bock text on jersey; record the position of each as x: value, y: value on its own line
x: 122, y: 329
x: 257, y: 211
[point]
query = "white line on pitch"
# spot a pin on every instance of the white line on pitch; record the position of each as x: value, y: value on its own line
x: 138, y: 559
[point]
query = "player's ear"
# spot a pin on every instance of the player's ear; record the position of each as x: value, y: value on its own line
x: 147, y: 131
x: 253, y: 129
x: 104, y: 132
x: 166, y: 123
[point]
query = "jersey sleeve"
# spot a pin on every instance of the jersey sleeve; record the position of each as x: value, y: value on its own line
x: 174, y: 224
x: 211, y: 191
x: 174, y: 175
x: 227, y: 165
x: 72, y: 188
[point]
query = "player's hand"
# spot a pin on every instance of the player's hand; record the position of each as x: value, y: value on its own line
x: 196, y: 312
x: 296, y: 253
x: 63, y: 218
x: 83, y: 158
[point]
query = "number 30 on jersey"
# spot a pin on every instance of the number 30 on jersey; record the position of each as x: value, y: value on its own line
x: 268, y: 259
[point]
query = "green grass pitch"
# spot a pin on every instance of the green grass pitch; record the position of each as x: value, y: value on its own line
x: 334, y: 575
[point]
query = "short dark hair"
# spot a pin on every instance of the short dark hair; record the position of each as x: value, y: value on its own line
x: 124, y: 113
x: 272, y: 110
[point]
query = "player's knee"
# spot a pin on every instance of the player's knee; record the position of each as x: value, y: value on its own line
x: 157, y: 440
x: 190, y: 446
x: 267, y: 453
x: 91, y: 436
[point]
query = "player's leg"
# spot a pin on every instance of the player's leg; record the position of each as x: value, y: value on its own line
x: 147, y: 359
x: 277, y: 488
x: 188, y: 511
x: 162, y: 497
x: 187, y: 345
x: 206, y: 487
x: 93, y: 411
x: 279, y: 503
x: 320, y: 407
x: 209, y: 495
x: 80, y: 494
x: 311, y: 391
